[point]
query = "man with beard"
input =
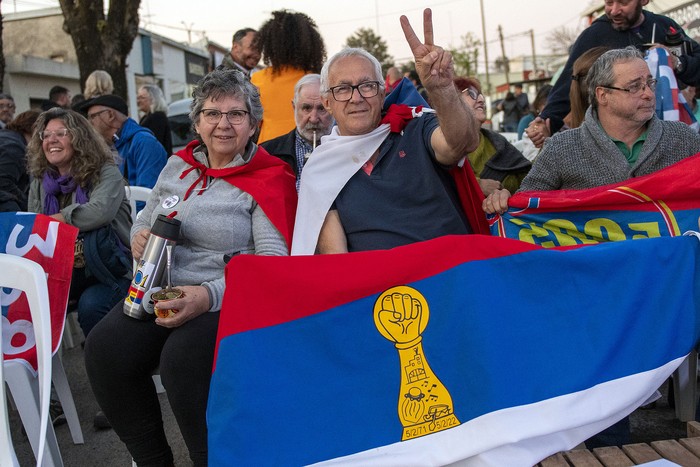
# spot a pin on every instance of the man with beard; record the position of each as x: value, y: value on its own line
x: 620, y: 138
x: 624, y: 24
x: 312, y: 121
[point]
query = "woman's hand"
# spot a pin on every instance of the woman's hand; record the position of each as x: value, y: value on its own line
x: 138, y: 243
x: 496, y: 202
x: 59, y: 217
x: 192, y: 304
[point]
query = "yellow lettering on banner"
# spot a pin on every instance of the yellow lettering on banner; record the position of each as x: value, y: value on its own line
x: 651, y: 229
x: 595, y: 228
x: 532, y: 231
x: 566, y: 232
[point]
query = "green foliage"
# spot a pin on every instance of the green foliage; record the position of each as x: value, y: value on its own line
x: 466, y: 57
x: 365, y: 38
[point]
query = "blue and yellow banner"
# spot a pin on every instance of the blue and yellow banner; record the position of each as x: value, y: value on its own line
x: 473, y: 348
x: 663, y: 204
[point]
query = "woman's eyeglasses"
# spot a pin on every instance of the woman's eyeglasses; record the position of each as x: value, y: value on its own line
x: 44, y: 135
x: 473, y: 93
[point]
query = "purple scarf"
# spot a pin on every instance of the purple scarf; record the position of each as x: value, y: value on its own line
x: 64, y: 184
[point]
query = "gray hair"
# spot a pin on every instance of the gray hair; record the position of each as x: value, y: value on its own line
x: 158, y: 103
x: 601, y: 72
x: 221, y: 83
x: 306, y: 79
x: 350, y: 52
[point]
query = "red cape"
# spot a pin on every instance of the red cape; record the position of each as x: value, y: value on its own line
x: 269, y: 180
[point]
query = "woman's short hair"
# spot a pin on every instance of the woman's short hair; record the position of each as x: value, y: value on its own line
x: 465, y: 82
x: 98, y: 83
x: 90, y: 151
x: 158, y: 103
x: 350, y: 52
x: 222, y: 83
x: 24, y: 122
x: 602, y: 72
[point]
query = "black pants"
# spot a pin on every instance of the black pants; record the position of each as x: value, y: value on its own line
x: 120, y: 355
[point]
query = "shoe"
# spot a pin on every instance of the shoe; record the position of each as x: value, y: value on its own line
x: 100, y: 421
x: 58, y: 418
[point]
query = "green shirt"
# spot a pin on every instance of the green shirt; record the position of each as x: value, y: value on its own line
x: 631, y: 154
x: 481, y: 156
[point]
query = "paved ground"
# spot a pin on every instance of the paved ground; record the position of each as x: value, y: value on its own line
x: 103, y: 448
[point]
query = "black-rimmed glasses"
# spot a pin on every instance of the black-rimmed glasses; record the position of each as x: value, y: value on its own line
x: 213, y: 116
x: 636, y: 88
x: 343, y: 92
x: 473, y: 93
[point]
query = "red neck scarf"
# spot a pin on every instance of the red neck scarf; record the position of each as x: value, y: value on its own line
x: 267, y: 179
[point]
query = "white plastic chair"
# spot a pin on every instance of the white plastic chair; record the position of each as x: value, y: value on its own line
x: 26, y: 275
x: 134, y: 194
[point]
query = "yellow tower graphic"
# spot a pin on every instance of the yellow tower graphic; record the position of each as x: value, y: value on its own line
x: 401, y: 315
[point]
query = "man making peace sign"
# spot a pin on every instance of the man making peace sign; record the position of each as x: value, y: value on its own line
x: 370, y: 186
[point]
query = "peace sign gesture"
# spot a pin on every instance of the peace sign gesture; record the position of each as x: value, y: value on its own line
x: 433, y: 64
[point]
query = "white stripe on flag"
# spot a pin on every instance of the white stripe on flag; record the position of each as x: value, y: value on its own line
x: 523, y: 435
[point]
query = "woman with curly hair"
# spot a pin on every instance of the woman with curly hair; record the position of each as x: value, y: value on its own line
x: 291, y: 46
x: 75, y: 180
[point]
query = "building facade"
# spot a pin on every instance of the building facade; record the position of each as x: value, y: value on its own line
x: 39, y: 54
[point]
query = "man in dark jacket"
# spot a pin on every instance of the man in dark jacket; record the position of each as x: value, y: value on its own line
x: 624, y: 23
x: 312, y: 122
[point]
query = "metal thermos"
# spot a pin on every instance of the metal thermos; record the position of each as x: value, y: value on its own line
x: 149, y: 270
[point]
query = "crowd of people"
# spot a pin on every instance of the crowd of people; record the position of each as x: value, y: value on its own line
x: 311, y: 135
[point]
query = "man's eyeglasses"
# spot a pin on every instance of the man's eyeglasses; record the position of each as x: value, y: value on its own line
x: 343, y: 92
x: 91, y: 117
x: 44, y: 135
x: 636, y: 88
x: 473, y: 93
x: 234, y: 117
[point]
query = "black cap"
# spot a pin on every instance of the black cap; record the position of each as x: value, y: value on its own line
x: 108, y: 100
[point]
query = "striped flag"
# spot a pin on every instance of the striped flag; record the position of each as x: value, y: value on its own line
x: 478, y: 349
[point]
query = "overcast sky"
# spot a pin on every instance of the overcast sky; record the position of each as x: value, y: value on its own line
x: 338, y: 19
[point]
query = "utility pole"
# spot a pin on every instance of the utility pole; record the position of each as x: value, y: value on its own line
x: 506, y: 65
x: 486, y: 49
x: 534, y: 57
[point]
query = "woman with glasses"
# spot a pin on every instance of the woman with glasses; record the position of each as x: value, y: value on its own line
x: 496, y: 162
x: 75, y: 180
x: 231, y: 198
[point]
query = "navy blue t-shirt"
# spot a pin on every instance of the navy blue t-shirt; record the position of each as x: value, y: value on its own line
x: 408, y: 197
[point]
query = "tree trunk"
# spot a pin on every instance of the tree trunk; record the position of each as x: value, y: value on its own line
x: 102, y: 43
